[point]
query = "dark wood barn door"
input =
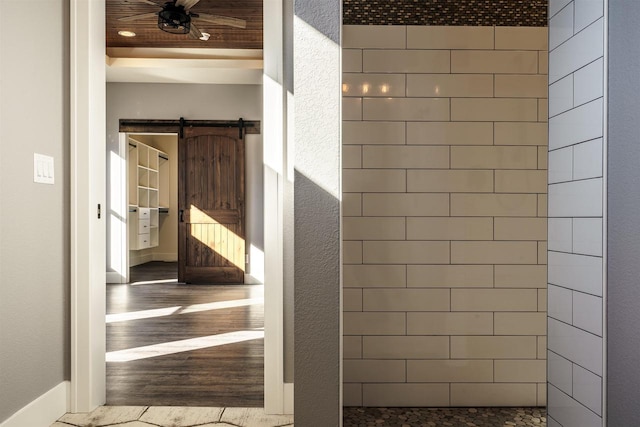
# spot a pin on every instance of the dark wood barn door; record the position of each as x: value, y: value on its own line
x: 211, y: 194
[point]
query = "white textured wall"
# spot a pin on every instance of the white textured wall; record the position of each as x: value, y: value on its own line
x: 317, y: 194
x: 576, y: 146
x: 445, y: 181
x: 197, y: 102
x: 34, y: 218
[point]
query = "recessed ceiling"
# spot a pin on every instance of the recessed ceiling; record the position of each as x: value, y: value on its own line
x: 149, y: 35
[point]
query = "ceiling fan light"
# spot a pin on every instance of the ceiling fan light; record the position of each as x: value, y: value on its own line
x: 174, y: 20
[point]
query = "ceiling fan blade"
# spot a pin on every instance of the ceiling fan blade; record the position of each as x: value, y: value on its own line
x: 194, y: 32
x: 187, y: 4
x: 222, y: 20
x: 137, y: 17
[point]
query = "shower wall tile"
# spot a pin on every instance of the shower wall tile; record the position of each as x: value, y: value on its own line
x: 561, y: 27
x: 586, y: 12
x: 448, y: 133
x: 583, y: 48
x: 564, y: 131
x: 451, y: 371
x: 520, y: 276
x: 588, y: 82
x: 376, y: 37
x: 521, y: 38
x: 561, y: 96
x: 581, y: 347
x: 569, y: 412
x: 521, y: 86
x: 494, y: 300
x: 556, y: 6
x: 373, y: 133
x: 367, y: 276
x: 494, y: 62
x: 451, y: 276
x: 406, y: 347
x: 406, y: 61
x: 427, y: 394
x: 560, y: 372
x: 450, y: 37
x: 444, y: 214
x: 587, y: 236
x: 494, y: 110
x: 578, y: 272
x: 352, y: 60
x: 358, y: 84
x: 384, y: 371
x: 521, y: 133
x: 587, y: 160
x: 587, y: 313
x: 587, y: 388
x: 520, y: 371
x: 447, y: 323
x: 484, y: 394
x: 405, y: 109
x: 408, y: 157
x: 405, y: 204
x: 450, y: 181
x: 451, y: 85
x: 424, y: 228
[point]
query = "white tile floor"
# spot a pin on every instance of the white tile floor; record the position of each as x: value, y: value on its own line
x: 174, y: 416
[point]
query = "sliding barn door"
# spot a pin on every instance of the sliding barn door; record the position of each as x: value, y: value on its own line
x: 211, y: 225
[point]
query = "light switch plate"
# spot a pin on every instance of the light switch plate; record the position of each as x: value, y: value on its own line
x: 43, y: 169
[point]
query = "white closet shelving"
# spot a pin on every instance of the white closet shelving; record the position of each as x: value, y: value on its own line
x: 146, y: 175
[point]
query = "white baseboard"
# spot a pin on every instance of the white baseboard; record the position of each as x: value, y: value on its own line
x: 43, y: 411
x: 250, y: 280
x: 114, y: 277
x: 288, y: 398
x: 166, y: 257
x: 140, y: 259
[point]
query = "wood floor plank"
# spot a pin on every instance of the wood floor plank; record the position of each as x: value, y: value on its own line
x: 159, y: 313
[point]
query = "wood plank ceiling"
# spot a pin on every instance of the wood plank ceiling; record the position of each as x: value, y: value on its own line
x: 149, y: 35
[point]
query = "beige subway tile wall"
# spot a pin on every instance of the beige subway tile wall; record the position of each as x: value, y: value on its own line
x: 444, y: 215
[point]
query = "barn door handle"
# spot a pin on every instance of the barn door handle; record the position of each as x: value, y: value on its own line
x: 181, y: 215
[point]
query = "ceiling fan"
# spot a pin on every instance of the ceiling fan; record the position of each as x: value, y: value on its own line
x: 176, y: 17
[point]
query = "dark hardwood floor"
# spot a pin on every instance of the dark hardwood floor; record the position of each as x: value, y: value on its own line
x: 171, y: 344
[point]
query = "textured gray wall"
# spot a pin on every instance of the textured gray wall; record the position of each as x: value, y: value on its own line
x: 34, y: 218
x: 623, y: 288
x: 317, y: 191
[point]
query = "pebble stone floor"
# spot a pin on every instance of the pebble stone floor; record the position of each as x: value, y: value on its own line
x: 174, y: 416
x: 449, y: 417
x: 159, y: 416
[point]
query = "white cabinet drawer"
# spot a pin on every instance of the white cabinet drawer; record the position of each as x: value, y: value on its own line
x: 144, y: 225
x: 144, y: 241
x: 144, y: 213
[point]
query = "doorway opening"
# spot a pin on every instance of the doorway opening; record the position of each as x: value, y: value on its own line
x: 169, y: 342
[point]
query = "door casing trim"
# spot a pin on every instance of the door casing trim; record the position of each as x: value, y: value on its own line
x: 88, y: 240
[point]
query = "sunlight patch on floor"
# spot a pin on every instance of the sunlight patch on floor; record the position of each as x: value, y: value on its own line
x: 168, y: 311
x: 154, y: 282
x: 162, y: 349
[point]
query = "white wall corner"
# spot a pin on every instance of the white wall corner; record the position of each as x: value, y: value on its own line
x: 43, y: 411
